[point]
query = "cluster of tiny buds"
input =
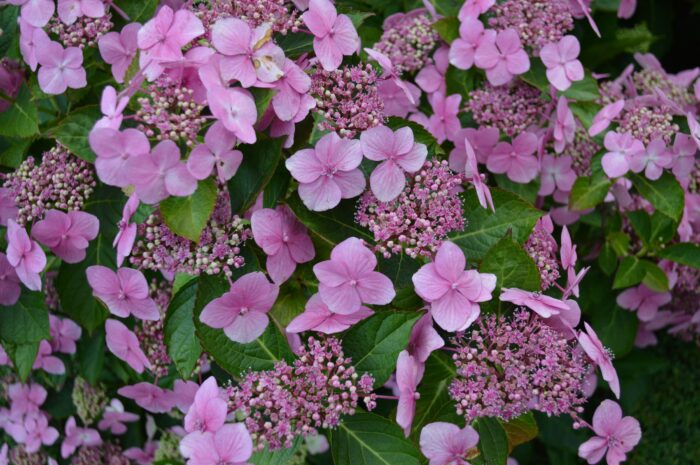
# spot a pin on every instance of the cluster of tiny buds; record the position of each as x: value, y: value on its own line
x: 84, y: 32
x: 538, y: 22
x: 648, y: 80
x: 648, y: 123
x: 89, y: 400
x: 581, y: 151
x: 19, y: 456
x: 282, y: 16
x: 542, y: 248
x: 408, y: 42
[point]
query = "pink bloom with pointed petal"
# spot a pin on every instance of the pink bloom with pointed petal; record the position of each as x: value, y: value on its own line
x: 3, y: 455
x: 389, y: 73
x: 142, y: 456
x: 463, y: 49
x: 471, y: 170
x: 48, y: 362
x: 162, y: 38
x: 112, y: 107
x: 26, y: 398
x: 9, y: 282
x: 8, y: 208
x: 482, y: 140
x: 328, y: 173
x: 184, y: 393
x: 348, y: 279
x: 119, y: 49
x: 447, y: 444
x: 230, y: 445
x: 124, y: 292
x: 684, y: 150
x: 396, y: 102
x: 114, y: 417
x: 284, y: 240
x: 32, y: 430
x: 615, y: 435
x: 626, y: 10
x: 424, y: 339
x: 454, y: 293
x: 561, y: 61
x: 398, y: 153
x: 31, y: 38
x: 208, y: 412
x: 694, y: 127
x: 77, y: 437
x: 557, y: 173
x: 645, y: 301
x: 35, y: 12
x: 334, y: 34
x: 473, y: 9
x: 516, y: 160
x: 318, y: 317
x: 591, y: 344
x: 25, y: 255
x: 242, y: 312
x: 123, y: 343
x: 114, y: 149
x: 567, y: 251
x: 64, y: 334
x: 148, y: 396
x: 235, y: 108
x: 216, y: 153
x: 124, y: 240
x: 502, y: 56
x: 67, y: 235
x: 249, y: 54
x: 70, y: 10
x: 622, y: 148
x: 544, y: 305
x: 160, y: 174
x: 604, y: 117
x: 292, y: 88
x: 409, y: 372
x: 653, y: 161
x: 564, y: 125
x: 60, y: 68
x: 431, y: 78
x: 444, y: 122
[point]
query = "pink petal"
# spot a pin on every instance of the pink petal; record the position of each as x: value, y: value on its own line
x: 247, y: 327
x: 387, y: 181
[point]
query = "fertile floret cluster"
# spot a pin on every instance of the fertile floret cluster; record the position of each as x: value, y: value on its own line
x: 408, y: 40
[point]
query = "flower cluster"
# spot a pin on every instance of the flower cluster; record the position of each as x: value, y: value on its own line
x: 281, y: 14
x: 408, y: 40
x: 84, y: 32
x: 538, y: 22
x: 543, y: 248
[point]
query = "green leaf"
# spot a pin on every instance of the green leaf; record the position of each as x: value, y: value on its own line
x: 368, y: 439
x: 359, y: 17
x: 435, y: 403
x: 663, y: 228
x: 493, y: 441
x: 420, y: 134
x: 263, y: 99
x: 400, y: 268
x: 74, y: 292
x: 188, y: 216
x: 179, y: 331
x: 296, y: 43
x: 277, y: 457
x: 585, y: 90
x: 520, y: 430
x: 91, y: 356
x: 589, y: 191
x: 259, y: 163
x: 685, y: 253
x: 13, y: 151
x: 630, y: 273
x: 641, y: 223
x: 525, y: 191
x: 447, y: 7
x: 462, y: 82
x: 624, y: 40
x: 374, y: 344
x: 73, y: 131
x: 447, y: 28
x: 23, y: 357
x: 484, y: 227
x: 9, y: 27
x: 277, y: 187
x: 235, y: 358
x: 332, y: 226
x: 655, y: 278
x: 22, y: 118
x: 585, y: 112
x: 26, y: 321
x: 607, y: 260
x: 139, y: 11
x: 665, y: 194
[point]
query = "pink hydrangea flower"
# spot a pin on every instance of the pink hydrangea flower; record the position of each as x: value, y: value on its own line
x: 114, y: 417
x: 446, y: 444
x: 292, y: 96
x: 556, y: 173
x: 242, y: 312
x: 398, y: 153
x: 645, y: 301
x: 684, y: 150
x: 443, y: 123
x: 453, y: 292
x: 567, y: 250
x: 471, y: 170
x: 604, y: 117
x: 389, y: 73
x: 77, y: 437
x: 516, y: 160
x: 148, y: 396
x: 249, y: 54
x: 615, y: 435
x: 30, y: 39
x: 328, y: 173
x: 114, y: 149
x: 424, y: 339
x: 653, y: 161
x: 591, y: 344
x: 8, y: 208
x: 544, y: 305
x: 409, y: 372
x: 64, y: 334
x: 112, y: 106
x: 184, y: 393
x: 463, y: 49
x: 119, y: 49
x: 48, y: 362
x: 482, y: 140
x: 124, y: 344
x: 502, y: 56
x: 9, y: 282
x: 235, y: 108
x: 230, y: 445
x: 348, y: 279
x: 334, y: 34
x: 162, y: 38
x: 67, y: 234
x: 160, y: 174
x: 318, y: 317
x: 208, y: 412
x: 284, y: 240
x: 70, y: 10
x: 694, y: 127
x: 35, y: 12
x: 126, y: 235
x: 60, y: 68
x: 25, y: 255
x: 473, y: 9
x: 621, y: 149
x: 564, y: 125
x: 26, y: 398
x: 396, y: 102
x: 32, y: 430
x: 431, y: 78
x: 124, y: 292
x: 216, y: 153
x: 626, y: 10
x: 561, y: 61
